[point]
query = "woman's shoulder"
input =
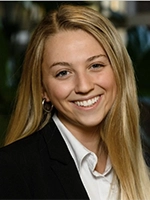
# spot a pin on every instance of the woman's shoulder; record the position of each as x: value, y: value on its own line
x: 49, y: 127
x: 27, y: 146
x: 20, y: 149
x: 22, y: 163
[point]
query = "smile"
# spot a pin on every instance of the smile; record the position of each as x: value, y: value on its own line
x: 87, y: 103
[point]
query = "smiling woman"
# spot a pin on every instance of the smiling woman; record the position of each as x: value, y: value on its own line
x: 74, y: 133
x: 82, y: 73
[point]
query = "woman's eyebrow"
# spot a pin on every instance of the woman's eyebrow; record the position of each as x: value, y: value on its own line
x: 88, y: 60
x: 60, y: 63
x: 95, y: 57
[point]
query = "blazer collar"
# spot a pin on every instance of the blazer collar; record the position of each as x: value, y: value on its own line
x: 63, y: 164
x: 56, y: 145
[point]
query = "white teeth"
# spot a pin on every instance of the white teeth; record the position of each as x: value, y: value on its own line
x: 87, y: 103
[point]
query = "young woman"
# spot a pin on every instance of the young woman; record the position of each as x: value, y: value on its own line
x: 74, y: 133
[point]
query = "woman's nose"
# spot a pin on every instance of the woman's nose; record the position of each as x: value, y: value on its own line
x: 84, y: 84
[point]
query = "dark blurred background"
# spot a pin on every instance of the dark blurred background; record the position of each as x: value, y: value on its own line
x: 18, y: 20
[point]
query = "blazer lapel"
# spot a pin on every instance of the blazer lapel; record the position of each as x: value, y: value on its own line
x: 63, y: 164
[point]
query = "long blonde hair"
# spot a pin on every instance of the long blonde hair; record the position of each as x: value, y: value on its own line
x: 120, y: 130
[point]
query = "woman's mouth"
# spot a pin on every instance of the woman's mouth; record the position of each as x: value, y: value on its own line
x: 87, y: 103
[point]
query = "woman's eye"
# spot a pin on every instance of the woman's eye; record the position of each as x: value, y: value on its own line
x: 62, y: 73
x: 95, y: 66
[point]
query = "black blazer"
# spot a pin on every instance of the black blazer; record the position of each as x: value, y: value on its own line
x: 39, y: 167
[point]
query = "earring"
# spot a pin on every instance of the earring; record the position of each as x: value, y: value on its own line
x: 47, y: 106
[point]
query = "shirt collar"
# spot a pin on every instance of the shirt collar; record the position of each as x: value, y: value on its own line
x: 77, y: 150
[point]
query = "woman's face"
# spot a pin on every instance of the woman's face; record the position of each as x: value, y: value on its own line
x: 78, y: 79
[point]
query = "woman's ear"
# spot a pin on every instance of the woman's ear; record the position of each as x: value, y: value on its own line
x: 45, y: 95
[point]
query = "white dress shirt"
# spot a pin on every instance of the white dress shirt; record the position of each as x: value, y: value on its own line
x: 98, y: 186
